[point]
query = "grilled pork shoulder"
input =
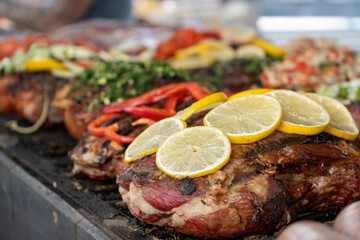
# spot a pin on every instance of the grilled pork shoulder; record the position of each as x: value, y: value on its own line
x: 262, y: 188
x: 23, y: 93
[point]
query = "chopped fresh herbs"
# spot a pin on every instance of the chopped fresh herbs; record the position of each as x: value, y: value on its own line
x: 122, y: 80
x: 127, y: 79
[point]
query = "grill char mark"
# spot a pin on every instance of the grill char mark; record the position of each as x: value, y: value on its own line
x: 282, y: 145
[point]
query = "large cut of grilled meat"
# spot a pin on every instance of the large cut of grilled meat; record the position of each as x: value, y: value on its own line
x: 98, y: 157
x: 23, y: 93
x: 262, y: 188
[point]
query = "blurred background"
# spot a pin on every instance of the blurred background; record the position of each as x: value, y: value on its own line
x: 276, y: 20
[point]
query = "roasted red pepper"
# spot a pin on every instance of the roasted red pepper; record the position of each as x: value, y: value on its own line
x: 86, y: 63
x: 228, y: 93
x: 171, y: 103
x: 151, y: 113
x: 94, y: 128
x: 110, y: 133
x: 173, y: 90
x: 173, y: 93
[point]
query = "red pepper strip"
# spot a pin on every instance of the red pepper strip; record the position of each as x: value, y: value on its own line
x: 86, y: 63
x: 228, y: 93
x: 205, y: 90
x: 197, y: 92
x: 171, y: 103
x: 152, y: 113
x: 157, y: 95
x: 140, y: 100
x: 94, y: 128
x: 142, y: 121
x: 110, y: 133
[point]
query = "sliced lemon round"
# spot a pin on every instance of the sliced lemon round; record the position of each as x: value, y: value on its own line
x: 341, y: 122
x: 193, y: 152
x: 258, y: 91
x: 207, y: 103
x: 247, y: 119
x: 301, y: 115
x: 150, y: 139
x: 250, y: 52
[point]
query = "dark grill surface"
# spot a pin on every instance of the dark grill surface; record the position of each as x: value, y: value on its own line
x: 44, y: 155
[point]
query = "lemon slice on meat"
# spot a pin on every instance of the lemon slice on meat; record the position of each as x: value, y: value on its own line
x: 258, y: 91
x: 149, y: 140
x: 246, y: 119
x: 207, y: 103
x: 341, y: 122
x: 193, y: 152
x: 301, y: 115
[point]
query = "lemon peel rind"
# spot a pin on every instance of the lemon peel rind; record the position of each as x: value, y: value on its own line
x: 219, y: 97
x: 341, y: 134
x: 290, y: 128
x: 259, y: 91
x: 141, y: 155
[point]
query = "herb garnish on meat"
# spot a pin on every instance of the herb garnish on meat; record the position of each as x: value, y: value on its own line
x: 122, y: 80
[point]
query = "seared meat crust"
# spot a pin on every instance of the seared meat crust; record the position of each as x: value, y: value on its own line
x: 23, y: 93
x: 7, y: 101
x: 97, y: 157
x: 262, y: 188
x: 354, y: 109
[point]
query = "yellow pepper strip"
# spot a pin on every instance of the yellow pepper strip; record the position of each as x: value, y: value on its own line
x: 187, y: 52
x: 269, y: 48
x: 199, y: 49
x: 43, y: 65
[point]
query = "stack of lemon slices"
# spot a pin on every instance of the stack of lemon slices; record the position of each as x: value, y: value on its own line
x: 245, y: 117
